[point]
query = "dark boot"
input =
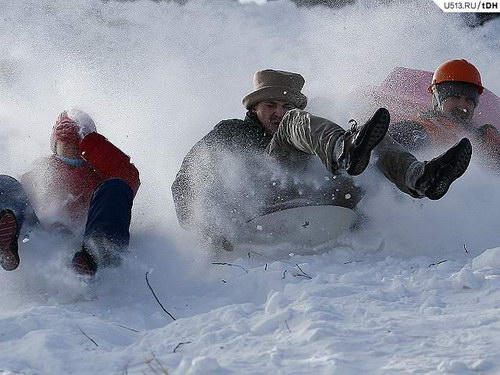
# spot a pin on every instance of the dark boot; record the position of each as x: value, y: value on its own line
x: 440, y: 172
x: 358, y: 143
x: 83, y: 263
x: 9, y: 233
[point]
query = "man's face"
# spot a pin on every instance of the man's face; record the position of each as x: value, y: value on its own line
x: 271, y: 112
x: 68, y: 150
x: 458, y: 106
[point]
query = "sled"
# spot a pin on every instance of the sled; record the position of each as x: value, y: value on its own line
x: 404, y: 93
x: 305, y: 226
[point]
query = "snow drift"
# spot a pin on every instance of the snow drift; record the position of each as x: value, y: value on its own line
x: 403, y: 295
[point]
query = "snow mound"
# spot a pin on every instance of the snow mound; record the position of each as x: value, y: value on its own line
x: 489, y: 259
x: 400, y: 296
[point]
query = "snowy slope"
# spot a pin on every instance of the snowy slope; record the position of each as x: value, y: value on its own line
x: 400, y: 296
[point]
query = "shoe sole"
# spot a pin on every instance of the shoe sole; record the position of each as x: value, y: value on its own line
x: 376, y: 129
x: 463, y: 154
x: 80, y: 265
x: 9, y: 256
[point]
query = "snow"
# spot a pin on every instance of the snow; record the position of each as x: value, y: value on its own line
x: 489, y: 259
x: 417, y: 290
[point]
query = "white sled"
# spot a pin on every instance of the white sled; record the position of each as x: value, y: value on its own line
x: 306, y: 226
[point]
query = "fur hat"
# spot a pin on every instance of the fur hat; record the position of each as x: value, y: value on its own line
x: 272, y: 84
x: 71, y: 126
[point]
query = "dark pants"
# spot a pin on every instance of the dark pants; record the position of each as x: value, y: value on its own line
x: 107, y: 230
x: 107, y: 233
x: 398, y: 164
x: 13, y: 197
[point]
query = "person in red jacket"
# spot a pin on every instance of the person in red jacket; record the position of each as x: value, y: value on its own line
x: 87, y: 181
x: 456, y: 87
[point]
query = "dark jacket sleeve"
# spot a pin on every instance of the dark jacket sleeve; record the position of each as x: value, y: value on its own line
x: 183, y: 188
x: 410, y: 134
x: 108, y: 160
x: 198, y: 171
x: 488, y: 146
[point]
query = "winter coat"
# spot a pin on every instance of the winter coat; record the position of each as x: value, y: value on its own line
x: 59, y: 190
x: 435, y: 129
x: 207, y: 191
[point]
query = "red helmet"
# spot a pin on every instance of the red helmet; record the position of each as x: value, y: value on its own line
x: 457, y: 71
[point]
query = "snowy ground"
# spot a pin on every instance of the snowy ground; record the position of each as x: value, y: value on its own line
x: 414, y: 292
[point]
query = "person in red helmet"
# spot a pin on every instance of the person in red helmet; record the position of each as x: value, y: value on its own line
x: 456, y: 87
x: 87, y: 181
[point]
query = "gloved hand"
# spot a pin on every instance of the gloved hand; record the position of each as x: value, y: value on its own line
x: 70, y: 130
x: 489, y: 138
x: 67, y: 131
x: 487, y: 130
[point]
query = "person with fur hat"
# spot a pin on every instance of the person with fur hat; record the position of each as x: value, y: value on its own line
x: 455, y: 87
x: 87, y: 182
x: 276, y: 124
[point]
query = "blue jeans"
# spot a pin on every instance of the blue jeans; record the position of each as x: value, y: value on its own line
x: 106, y: 233
x: 13, y: 197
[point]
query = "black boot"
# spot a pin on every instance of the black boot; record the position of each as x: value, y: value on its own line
x: 9, y: 233
x: 83, y: 263
x: 360, y: 142
x: 440, y: 172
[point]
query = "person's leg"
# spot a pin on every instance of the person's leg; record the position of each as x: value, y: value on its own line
x: 107, y: 234
x: 14, y: 197
x: 337, y: 148
x: 430, y: 179
x: 312, y: 135
x: 15, y: 210
x: 395, y: 163
x: 438, y: 174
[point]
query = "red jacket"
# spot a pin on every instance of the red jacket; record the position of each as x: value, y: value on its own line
x: 62, y: 191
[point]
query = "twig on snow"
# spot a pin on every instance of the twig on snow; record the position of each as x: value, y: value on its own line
x: 87, y: 336
x: 465, y: 248
x: 300, y: 275
x: 266, y: 256
x: 125, y: 327
x: 156, y: 298
x: 229, y: 264
x: 180, y: 344
x: 155, y: 360
x: 435, y: 264
x: 284, y: 274
x: 303, y: 273
x: 287, y: 326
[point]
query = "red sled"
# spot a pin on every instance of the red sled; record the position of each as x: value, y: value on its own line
x: 404, y: 93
